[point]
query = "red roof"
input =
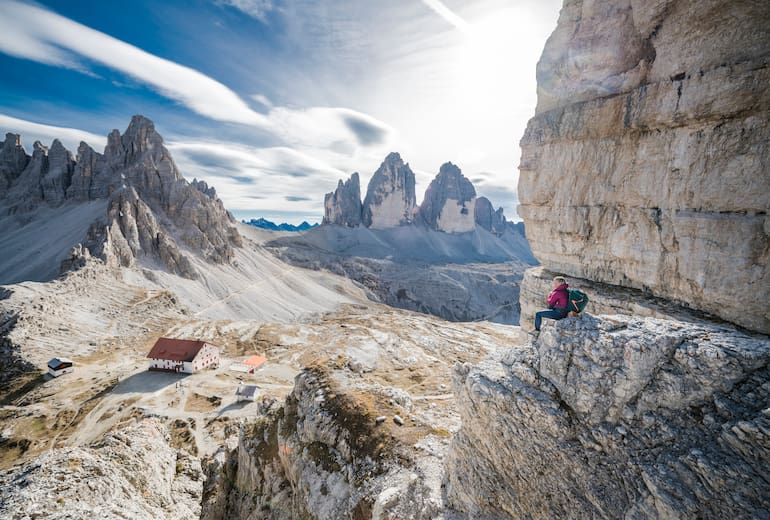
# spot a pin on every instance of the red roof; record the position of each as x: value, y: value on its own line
x: 176, y: 349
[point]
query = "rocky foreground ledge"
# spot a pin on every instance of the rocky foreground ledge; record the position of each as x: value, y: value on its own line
x: 616, y: 417
x: 132, y: 473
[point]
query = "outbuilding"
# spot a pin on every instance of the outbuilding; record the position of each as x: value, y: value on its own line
x: 60, y: 366
x: 249, y: 365
x: 183, y: 355
x: 246, y: 392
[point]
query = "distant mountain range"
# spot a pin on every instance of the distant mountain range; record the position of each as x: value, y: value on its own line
x: 272, y: 226
x: 450, y: 204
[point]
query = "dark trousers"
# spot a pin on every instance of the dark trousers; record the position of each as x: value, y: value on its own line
x: 554, y: 314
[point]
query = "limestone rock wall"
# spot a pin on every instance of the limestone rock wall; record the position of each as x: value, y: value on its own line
x: 342, y: 207
x: 615, y: 417
x: 603, y: 299
x: 449, y: 202
x: 390, y: 197
x: 646, y: 163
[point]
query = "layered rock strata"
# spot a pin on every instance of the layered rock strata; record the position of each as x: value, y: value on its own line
x: 646, y: 163
x: 603, y: 299
x: 343, y: 206
x: 615, y: 417
x: 449, y: 203
x: 390, y: 197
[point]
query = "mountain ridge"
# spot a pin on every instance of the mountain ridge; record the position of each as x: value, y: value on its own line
x: 152, y: 212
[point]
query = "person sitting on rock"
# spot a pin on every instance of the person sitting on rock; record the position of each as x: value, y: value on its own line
x: 557, y: 303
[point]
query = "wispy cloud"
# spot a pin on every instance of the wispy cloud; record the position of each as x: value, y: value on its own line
x: 320, y: 127
x: 38, y: 34
x: 31, y: 132
x: 257, y: 9
x: 262, y: 100
x: 243, y: 174
x: 447, y: 14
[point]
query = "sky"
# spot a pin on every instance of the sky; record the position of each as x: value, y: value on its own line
x: 273, y: 101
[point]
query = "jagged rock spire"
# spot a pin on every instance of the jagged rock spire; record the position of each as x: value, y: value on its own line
x: 343, y: 206
x: 449, y: 201
x: 390, y: 197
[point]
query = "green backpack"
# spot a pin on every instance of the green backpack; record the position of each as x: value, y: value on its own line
x: 577, y: 300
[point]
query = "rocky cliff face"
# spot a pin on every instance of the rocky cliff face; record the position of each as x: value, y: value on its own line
x: 390, y: 198
x: 131, y: 473
x: 319, y: 456
x: 343, y: 206
x: 642, y: 179
x: 488, y: 218
x: 13, y: 160
x: 449, y: 203
x: 365, y: 429
x: 615, y: 417
x: 646, y: 164
x: 153, y: 214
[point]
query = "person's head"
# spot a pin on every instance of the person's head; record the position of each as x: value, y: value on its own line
x: 558, y: 280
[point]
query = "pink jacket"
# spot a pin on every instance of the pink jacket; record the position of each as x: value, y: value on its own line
x: 559, y: 297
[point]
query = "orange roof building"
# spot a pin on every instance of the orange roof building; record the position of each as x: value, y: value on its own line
x: 249, y: 365
x: 183, y: 355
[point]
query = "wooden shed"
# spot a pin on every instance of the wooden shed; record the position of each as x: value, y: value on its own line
x: 60, y: 366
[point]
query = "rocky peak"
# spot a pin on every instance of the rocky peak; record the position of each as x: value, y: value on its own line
x: 58, y: 176
x: 203, y: 187
x: 488, y: 218
x: 13, y: 160
x: 390, y: 197
x: 145, y: 190
x: 343, y: 207
x: 140, y: 137
x: 449, y: 201
x: 88, y: 165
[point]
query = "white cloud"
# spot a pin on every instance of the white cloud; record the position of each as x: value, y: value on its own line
x: 262, y: 100
x: 447, y: 14
x: 320, y: 127
x: 273, y: 178
x: 31, y: 132
x: 35, y: 33
x: 257, y: 9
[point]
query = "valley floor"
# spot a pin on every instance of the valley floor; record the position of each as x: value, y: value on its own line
x: 393, y: 362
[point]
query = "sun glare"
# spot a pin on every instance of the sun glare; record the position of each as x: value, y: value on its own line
x: 487, y: 71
